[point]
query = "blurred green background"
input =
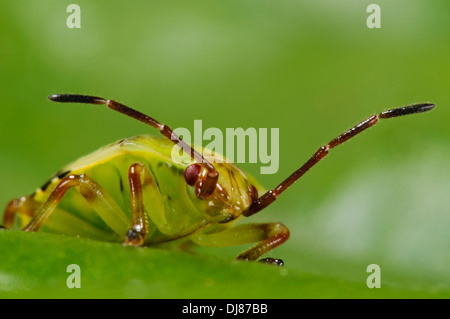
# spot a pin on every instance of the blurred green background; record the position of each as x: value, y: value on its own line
x: 311, y: 68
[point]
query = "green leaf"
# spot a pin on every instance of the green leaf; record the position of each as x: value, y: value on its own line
x: 34, y: 265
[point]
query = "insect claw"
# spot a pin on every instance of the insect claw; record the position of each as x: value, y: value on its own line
x: 228, y: 219
x: 272, y: 261
x: 134, y: 238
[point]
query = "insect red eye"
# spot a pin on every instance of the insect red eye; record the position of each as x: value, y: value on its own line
x: 191, y: 174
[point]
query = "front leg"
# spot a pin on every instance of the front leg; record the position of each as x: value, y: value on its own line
x: 268, y: 235
x: 139, y: 229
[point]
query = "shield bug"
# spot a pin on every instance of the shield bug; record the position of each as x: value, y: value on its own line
x: 133, y: 192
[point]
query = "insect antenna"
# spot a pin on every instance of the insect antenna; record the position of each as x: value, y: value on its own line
x: 212, y: 176
x: 270, y: 196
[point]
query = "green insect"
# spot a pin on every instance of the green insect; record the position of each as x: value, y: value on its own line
x: 133, y: 192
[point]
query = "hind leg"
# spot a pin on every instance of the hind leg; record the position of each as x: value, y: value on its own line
x: 24, y: 207
x: 103, y: 204
x: 268, y: 237
x: 134, y: 231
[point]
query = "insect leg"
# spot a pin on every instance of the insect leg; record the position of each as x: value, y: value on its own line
x: 137, y: 233
x: 25, y: 207
x: 66, y: 223
x: 208, y: 186
x: 268, y: 235
x: 101, y: 202
x: 269, y: 197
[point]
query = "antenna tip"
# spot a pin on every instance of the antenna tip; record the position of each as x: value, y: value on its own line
x: 54, y: 97
x: 76, y: 98
x: 406, y: 110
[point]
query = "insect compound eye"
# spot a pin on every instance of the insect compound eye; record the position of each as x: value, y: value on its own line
x: 191, y: 174
x: 253, y: 193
